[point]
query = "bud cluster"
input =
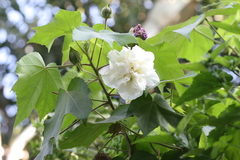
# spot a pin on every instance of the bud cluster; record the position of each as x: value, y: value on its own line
x: 138, y: 31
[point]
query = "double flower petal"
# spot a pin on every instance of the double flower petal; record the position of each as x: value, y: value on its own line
x: 130, y: 71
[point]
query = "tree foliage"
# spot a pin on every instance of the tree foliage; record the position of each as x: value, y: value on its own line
x: 192, y: 114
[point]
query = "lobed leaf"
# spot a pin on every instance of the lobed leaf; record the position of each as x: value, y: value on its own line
x: 63, y: 24
x: 76, y: 101
x: 152, y: 113
x: 35, y: 85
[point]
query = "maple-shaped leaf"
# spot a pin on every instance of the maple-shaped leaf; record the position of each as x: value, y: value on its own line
x: 63, y: 24
x: 75, y: 101
x: 35, y: 85
x: 152, y: 113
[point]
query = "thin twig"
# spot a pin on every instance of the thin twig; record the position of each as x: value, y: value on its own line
x: 98, y: 100
x: 218, y: 42
x: 95, y: 43
x: 55, y: 92
x: 99, y: 106
x: 72, y: 124
x: 99, y: 114
x: 215, y: 30
x: 92, y: 81
x: 105, y: 144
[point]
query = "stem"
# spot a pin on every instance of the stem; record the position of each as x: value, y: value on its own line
x: 171, y: 96
x: 81, y: 69
x: 100, y: 81
x: 99, y: 114
x: 102, y: 66
x: 128, y: 142
x: 215, y: 30
x: 105, y: 23
x: 162, y: 144
x: 100, y: 54
x: 99, y: 106
x: 95, y: 43
x: 154, y: 149
x: 218, y: 42
x: 98, y: 100
x: 72, y: 124
x: 105, y: 144
x: 92, y: 81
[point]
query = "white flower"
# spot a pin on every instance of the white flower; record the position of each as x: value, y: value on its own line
x: 130, y: 71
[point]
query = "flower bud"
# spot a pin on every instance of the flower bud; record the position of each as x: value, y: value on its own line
x: 74, y: 56
x: 138, y: 31
x: 106, y: 12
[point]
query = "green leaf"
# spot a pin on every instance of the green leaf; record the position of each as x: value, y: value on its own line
x: 198, y: 66
x: 208, y: 83
x: 66, y: 79
x: 192, y: 51
x: 184, y: 122
x: 233, y: 150
x: 217, y: 51
x: 199, y: 45
x: 227, y: 27
x: 229, y: 116
x: 189, y: 28
x: 152, y: 113
x: 63, y: 24
x: 203, y: 142
x: 228, y: 10
x: 84, y: 33
x: 83, y: 135
x: 118, y: 114
x: 165, y: 59
x: 76, y: 101
x: 35, y: 85
x: 142, y: 155
x: 163, y: 137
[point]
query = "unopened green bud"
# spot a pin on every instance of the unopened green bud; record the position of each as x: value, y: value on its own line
x: 106, y: 12
x: 74, y: 56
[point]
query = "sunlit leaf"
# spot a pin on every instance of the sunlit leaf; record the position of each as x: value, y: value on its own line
x: 75, y: 101
x: 192, y: 51
x: 152, y: 113
x: 184, y: 122
x: 84, y: 33
x: 208, y: 83
x: 227, y: 27
x: 229, y: 116
x: 165, y: 59
x: 63, y: 24
x: 35, y: 86
x: 189, y: 28
x: 228, y: 10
